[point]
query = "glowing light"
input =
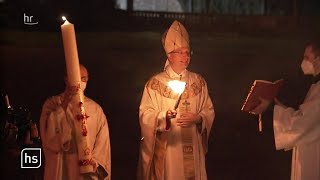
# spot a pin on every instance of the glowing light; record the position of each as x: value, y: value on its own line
x: 64, y: 18
x: 177, y: 86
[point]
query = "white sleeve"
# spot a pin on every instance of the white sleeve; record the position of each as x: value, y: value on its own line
x: 292, y: 128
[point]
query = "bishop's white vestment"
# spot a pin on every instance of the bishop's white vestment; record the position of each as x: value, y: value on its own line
x: 177, y: 153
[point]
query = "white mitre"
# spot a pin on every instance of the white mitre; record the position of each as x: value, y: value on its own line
x: 174, y: 38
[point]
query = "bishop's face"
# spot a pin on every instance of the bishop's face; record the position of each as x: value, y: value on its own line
x: 179, y: 59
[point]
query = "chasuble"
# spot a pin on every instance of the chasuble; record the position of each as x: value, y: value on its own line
x: 177, y: 153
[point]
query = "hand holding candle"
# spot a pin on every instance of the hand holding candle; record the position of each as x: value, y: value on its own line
x: 178, y: 87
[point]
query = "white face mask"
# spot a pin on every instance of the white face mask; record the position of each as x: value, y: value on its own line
x: 307, y: 67
x: 83, y: 85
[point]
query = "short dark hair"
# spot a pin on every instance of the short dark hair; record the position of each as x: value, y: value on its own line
x: 315, y: 47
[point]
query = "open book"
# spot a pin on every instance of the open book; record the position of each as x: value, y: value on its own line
x: 261, y: 88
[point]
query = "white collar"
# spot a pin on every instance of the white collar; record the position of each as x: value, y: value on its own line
x: 173, y: 74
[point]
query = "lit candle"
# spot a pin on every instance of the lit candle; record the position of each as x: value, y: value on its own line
x: 7, y: 101
x: 74, y: 79
x: 178, y: 87
x: 70, y: 52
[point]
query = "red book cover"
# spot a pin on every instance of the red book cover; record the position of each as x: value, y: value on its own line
x: 261, y: 88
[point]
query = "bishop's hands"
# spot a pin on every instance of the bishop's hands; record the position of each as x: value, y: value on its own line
x: 188, y: 119
x: 170, y: 114
x: 185, y: 120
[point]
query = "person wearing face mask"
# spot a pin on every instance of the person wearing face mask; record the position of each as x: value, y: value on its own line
x: 59, y: 139
x: 174, y: 135
x: 299, y: 130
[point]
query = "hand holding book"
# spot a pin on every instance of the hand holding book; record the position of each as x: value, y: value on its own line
x: 264, y: 103
x: 261, y: 94
x: 262, y: 107
x: 279, y: 103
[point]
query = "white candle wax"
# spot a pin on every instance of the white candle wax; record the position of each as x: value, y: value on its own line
x: 71, y: 53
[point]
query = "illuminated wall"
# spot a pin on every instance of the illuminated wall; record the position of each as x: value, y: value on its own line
x: 243, y: 7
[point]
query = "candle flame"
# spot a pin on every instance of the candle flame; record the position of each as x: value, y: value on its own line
x: 177, y: 86
x: 64, y: 18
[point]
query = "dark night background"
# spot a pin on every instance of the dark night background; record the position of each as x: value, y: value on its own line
x: 122, y: 49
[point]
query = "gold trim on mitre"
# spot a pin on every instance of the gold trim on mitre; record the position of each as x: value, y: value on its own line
x: 175, y: 37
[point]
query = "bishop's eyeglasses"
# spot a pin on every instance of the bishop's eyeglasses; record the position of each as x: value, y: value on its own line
x: 183, y: 53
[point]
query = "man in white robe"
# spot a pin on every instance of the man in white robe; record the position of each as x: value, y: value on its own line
x: 174, y: 141
x: 300, y: 129
x: 59, y: 138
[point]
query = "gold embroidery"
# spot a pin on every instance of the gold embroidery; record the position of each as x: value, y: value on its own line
x: 196, y: 88
x: 188, y: 154
x: 185, y: 106
x: 155, y: 84
x: 167, y: 91
x: 188, y: 149
x: 191, y: 90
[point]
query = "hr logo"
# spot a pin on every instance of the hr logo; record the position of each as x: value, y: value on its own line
x: 28, y: 20
x: 31, y: 158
